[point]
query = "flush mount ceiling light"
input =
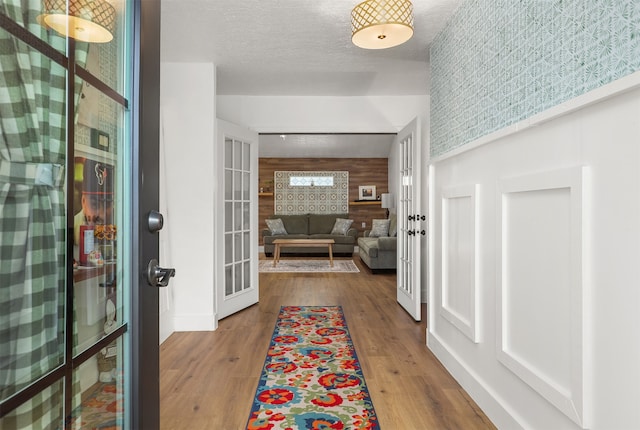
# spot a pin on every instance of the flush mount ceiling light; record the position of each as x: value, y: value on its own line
x: 379, y: 24
x: 85, y: 20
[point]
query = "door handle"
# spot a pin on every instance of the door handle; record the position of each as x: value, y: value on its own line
x: 158, y: 276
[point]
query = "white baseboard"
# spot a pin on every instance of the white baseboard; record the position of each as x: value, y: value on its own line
x: 474, y: 385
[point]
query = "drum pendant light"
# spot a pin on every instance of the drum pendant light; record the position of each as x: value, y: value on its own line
x: 85, y: 20
x: 379, y: 24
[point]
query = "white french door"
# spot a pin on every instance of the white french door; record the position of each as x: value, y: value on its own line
x: 236, y: 262
x: 410, y: 220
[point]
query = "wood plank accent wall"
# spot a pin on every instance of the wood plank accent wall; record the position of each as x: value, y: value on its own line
x: 362, y: 171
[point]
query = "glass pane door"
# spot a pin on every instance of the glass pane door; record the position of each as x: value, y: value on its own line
x: 240, y: 214
x: 64, y: 220
x: 409, y: 221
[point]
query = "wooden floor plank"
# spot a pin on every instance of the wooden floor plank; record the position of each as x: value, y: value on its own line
x: 208, y: 379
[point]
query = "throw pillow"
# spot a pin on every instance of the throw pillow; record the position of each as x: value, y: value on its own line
x: 276, y: 226
x: 379, y: 228
x: 393, y: 225
x: 341, y: 226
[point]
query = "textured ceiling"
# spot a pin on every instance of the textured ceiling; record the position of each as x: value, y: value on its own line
x: 300, y: 47
x: 297, y: 47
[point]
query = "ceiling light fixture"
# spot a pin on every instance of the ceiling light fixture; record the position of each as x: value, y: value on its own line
x: 379, y: 24
x: 84, y: 20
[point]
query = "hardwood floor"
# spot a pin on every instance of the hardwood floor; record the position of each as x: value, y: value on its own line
x: 208, y: 379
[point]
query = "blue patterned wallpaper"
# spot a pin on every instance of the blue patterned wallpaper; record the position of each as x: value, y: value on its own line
x: 498, y: 62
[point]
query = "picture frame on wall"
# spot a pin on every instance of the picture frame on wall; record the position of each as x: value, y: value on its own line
x: 367, y: 192
x: 99, y: 139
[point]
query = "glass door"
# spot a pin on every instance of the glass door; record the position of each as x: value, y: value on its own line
x: 237, y: 276
x: 409, y: 221
x: 67, y: 214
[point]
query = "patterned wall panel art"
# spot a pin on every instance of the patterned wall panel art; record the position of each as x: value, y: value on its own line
x: 295, y: 196
x: 498, y: 62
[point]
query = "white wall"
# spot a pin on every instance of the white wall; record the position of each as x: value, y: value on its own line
x: 535, y: 305
x: 278, y: 114
x: 188, y: 127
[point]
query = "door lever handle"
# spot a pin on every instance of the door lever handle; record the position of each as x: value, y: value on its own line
x: 158, y: 276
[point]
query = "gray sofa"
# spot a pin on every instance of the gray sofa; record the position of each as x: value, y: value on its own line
x: 380, y: 252
x: 311, y: 226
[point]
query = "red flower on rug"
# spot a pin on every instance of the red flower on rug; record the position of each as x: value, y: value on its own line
x: 320, y: 424
x: 259, y: 424
x: 276, y: 396
x: 331, y: 331
x: 322, y: 341
x: 328, y: 400
x: 350, y: 364
x: 286, y: 339
x: 284, y: 367
x: 338, y: 380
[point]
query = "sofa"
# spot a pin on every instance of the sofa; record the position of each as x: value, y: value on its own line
x: 379, y: 250
x: 311, y: 226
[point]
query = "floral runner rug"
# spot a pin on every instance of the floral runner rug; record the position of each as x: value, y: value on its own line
x: 311, y: 377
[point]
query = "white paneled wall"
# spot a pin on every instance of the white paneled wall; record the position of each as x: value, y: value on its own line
x: 459, y: 253
x: 535, y: 303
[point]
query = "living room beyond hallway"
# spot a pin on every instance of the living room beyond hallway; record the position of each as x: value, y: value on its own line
x: 208, y: 379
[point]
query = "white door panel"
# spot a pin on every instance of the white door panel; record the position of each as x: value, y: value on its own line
x: 410, y: 220
x: 236, y: 262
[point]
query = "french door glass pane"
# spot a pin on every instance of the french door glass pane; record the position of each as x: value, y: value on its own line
x: 228, y: 248
x: 228, y: 216
x: 238, y: 277
x: 246, y: 156
x: 237, y: 185
x: 246, y: 186
x: 237, y: 216
x: 100, y: 391
x: 228, y: 280
x: 98, y: 217
x: 238, y: 247
x: 228, y: 153
x: 228, y: 180
x: 247, y: 275
x: 50, y: 403
x: 247, y: 246
x: 237, y: 155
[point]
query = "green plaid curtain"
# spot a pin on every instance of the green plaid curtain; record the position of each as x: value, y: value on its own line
x: 32, y: 215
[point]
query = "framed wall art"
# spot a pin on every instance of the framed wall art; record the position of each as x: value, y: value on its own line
x: 367, y: 192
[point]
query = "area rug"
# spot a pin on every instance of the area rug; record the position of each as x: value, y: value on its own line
x: 308, y: 266
x: 311, y: 377
x: 102, y: 409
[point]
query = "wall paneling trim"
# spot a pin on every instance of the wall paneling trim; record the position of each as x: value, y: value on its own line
x: 541, y: 284
x: 460, y: 281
